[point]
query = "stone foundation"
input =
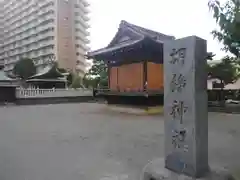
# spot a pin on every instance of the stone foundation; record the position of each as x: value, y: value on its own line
x: 155, y: 170
x: 136, y: 110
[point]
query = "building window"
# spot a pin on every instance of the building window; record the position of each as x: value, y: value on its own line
x: 66, y: 18
x: 77, y: 53
x: 77, y: 45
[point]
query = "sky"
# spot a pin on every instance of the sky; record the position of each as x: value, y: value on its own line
x: 179, y: 18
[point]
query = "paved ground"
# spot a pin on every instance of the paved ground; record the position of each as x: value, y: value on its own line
x: 86, y: 142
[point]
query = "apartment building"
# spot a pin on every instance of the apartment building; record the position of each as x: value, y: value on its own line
x: 44, y: 30
x: 1, y: 33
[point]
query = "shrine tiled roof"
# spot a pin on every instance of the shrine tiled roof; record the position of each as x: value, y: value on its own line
x: 50, y: 71
x: 4, y: 77
x: 143, y: 32
x: 128, y: 35
x: 119, y: 46
x: 6, y: 81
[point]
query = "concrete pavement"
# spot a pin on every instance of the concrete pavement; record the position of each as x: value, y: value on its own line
x: 89, y: 142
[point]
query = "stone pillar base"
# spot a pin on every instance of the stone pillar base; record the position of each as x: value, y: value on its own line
x: 155, y: 170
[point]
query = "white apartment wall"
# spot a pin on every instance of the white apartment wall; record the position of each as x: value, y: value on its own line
x: 28, y: 31
x: 81, y: 22
x: 1, y: 34
x: 65, y: 45
x: 33, y: 28
x: 72, y: 35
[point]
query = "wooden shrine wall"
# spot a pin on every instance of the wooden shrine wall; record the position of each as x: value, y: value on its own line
x: 154, y: 76
x: 130, y: 77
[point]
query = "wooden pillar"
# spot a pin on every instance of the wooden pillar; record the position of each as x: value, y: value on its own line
x: 145, y: 75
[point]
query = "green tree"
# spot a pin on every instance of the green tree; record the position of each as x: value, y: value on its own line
x: 70, y: 78
x: 103, y: 83
x: 77, y: 82
x: 228, y: 18
x: 55, y: 63
x: 62, y: 70
x: 99, y: 68
x: 227, y: 71
x: 210, y: 56
x: 90, y: 82
x: 24, y: 68
x: 97, y: 76
x: 70, y: 75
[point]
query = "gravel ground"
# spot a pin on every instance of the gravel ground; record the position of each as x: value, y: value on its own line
x: 88, y: 142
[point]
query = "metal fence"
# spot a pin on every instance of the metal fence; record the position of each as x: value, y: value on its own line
x: 43, y: 93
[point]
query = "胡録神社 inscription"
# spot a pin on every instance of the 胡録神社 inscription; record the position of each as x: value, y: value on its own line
x: 178, y: 82
x: 178, y: 109
x: 178, y: 56
x: 185, y: 106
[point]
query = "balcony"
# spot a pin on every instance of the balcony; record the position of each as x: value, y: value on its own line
x: 87, y: 48
x: 81, y: 21
x: 45, y: 27
x: 45, y: 52
x: 82, y: 31
x: 24, y: 43
x: 41, y: 4
x: 18, y: 26
x: 85, y: 3
x: 87, y: 26
x: 1, y: 63
x: 84, y: 8
x: 82, y: 15
x: 26, y: 14
x: 87, y: 33
x: 19, y: 8
x: 29, y: 51
x: 40, y: 36
x: 81, y: 51
x: 87, y: 41
x: 11, y: 6
x: 28, y: 24
x: 2, y: 56
x: 9, y: 3
x: 8, y: 67
x: 82, y: 45
x: 86, y: 18
x: 11, y: 61
x: 45, y: 44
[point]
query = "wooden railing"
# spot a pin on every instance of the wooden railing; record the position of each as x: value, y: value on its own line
x: 43, y: 93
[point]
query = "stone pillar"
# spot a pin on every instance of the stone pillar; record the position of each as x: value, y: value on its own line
x: 185, y: 106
